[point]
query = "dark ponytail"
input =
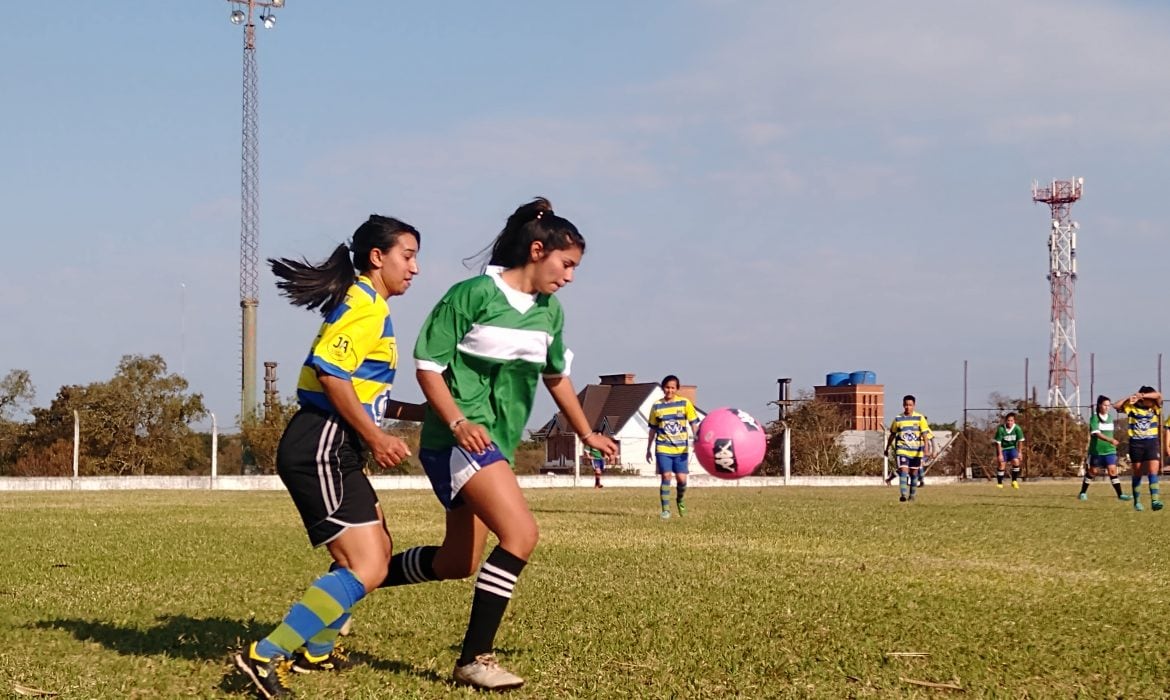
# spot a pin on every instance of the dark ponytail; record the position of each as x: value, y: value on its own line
x: 324, y: 286
x: 1102, y: 398
x: 531, y: 222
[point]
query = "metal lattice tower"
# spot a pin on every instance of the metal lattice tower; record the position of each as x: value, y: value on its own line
x: 1064, y: 385
x: 250, y: 198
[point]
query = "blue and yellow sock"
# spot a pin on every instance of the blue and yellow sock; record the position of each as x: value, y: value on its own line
x: 326, y: 601
x: 680, y: 491
x: 913, y: 482
x: 664, y: 495
x: 1155, y: 490
x: 1136, y: 482
x: 903, y: 482
x: 323, y: 642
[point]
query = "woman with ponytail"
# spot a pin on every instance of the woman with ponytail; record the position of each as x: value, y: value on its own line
x: 478, y: 358
x: 344, y: 394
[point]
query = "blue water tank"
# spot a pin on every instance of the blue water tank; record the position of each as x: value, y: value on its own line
x: 837, y: 379
x: 863, y: 377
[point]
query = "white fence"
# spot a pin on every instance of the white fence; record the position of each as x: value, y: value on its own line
x: 398, y: 483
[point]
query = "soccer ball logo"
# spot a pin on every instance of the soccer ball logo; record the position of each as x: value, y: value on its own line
x: 730, y: 443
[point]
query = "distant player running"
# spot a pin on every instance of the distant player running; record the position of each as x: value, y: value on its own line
x: 1102, y: 450
x: 1009, y: 440
x: 911, y: 438
x: 1143, y: 412
x: 597, y: 459
x: 667, y: 446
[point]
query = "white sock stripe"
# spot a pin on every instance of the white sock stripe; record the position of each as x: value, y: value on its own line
x: 503, y: 593
x: 496, y: 580
x: 412, y: 566
x: 492, y: 568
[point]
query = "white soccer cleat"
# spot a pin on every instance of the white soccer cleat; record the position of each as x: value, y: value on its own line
x: 485, y: 672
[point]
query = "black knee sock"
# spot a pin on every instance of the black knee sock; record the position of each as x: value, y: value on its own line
x: 493, y: 589
x: 1015, y: 475
x: 999, y: 477
x: 1116, y: 484
x: 1085, y: 483
x: 415, y: 565
x: 681, y: 491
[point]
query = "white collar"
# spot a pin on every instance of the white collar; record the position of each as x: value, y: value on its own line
x: 516, y: 299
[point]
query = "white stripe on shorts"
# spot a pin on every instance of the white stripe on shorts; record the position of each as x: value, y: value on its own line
x: 324, y: 470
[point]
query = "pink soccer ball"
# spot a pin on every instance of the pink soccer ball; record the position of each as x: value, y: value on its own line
x: 730, y: 443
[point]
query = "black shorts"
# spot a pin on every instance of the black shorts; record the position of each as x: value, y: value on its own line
x: 1143, y: 450
x: 320, y: 460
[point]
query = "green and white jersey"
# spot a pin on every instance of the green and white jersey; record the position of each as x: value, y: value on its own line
x: 1101, y: 426
x: 491, y: 343
x: 1009, y: 439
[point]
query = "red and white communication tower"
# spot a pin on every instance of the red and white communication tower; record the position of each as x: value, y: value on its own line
x: 1064, y: 384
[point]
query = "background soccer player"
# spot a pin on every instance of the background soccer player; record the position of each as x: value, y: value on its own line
x: 667, y: 446
x: 910, y: 436
x: 1143, y: 412
x: 1009, y: 440
x: 1102, y: 449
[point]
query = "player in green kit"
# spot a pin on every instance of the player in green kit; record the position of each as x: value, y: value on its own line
x: 1009, y: 440
x: 479, y: 358
x: 1102, y: 450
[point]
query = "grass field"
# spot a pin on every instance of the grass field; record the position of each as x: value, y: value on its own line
x: 756, y: 593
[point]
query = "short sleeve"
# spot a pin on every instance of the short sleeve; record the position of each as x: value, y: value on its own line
x: 559, y: 359
x: 441, y: 332
x: 925, y: 428
x: 346, y: 342
x: 691, y: 415
x: 653, y: 418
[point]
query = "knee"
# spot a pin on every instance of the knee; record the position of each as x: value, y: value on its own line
x: 372, y: 571
x: 522, y: 542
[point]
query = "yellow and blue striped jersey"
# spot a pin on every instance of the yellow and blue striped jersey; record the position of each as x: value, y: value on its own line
x: 1142, y: 422
x: 669, y: 421
x: 910, y: 434
x: 356, y: 342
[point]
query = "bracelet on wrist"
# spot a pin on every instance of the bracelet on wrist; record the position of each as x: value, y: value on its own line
x: 588, y: 435
x: 456, y: 423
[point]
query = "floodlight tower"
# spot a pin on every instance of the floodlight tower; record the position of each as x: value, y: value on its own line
x: 1064, y: 385
x: 242, y: 13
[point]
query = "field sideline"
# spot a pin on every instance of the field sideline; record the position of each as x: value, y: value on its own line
x: 757, y: 593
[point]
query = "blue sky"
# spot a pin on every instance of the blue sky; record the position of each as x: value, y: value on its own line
x: 767, y: 189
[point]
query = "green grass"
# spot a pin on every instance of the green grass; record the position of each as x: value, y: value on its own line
x: 756, y: 593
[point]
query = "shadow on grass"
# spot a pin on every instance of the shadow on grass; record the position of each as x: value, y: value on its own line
x: 174, y: 635
x: 201, y: 639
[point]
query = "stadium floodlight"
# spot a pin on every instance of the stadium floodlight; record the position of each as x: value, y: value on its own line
x: 237, y: 17
x: 269, y: 20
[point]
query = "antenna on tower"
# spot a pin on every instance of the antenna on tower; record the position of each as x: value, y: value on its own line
x: 1064, y: 385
